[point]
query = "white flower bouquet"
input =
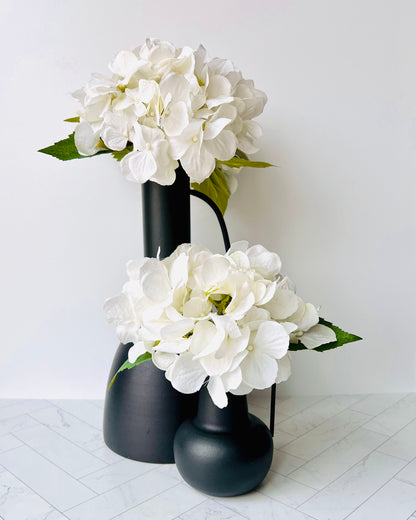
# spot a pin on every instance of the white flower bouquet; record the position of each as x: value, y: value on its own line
x: 230, y: 319
x: 162, y: 106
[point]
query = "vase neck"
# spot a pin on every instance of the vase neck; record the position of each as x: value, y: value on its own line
x: 166, y: 215
x: 221, y: 420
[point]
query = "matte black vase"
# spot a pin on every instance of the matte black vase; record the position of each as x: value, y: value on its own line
x: 223, y: 452
x: 142, y: 410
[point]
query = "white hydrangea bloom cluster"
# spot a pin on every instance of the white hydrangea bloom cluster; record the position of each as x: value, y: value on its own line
x: 229, y: 318
x: 169, y: 105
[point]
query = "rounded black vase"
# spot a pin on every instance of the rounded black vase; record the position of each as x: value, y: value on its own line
x: 223, y: 452
x: 142, y: 410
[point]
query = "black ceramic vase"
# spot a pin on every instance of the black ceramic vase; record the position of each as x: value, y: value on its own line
x: 223, y: 452
x: 142, y: 410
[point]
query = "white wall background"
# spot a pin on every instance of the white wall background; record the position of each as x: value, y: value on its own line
x: 340, y: 209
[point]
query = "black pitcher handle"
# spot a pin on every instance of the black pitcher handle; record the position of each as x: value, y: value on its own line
x: 227, y: 245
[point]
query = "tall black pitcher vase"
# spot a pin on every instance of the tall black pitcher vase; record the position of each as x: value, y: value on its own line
x: 142, y: 411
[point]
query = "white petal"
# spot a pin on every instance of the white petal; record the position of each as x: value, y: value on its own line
x: 155, y: 281
x: 133, y: 268
x: 124, y: 64
x: 178, y: 272
x: 206, y: 339
x: 118, y: 309
x: 259, y: 370
x: 163, y: 360
x: 214, y: 366
x: 264, y: 262
x: 86, y: 139
x: 254, y: 317
x: 272, y: 339
x: 198, y: 163
x: 176, y: 119
x: 173, y: 347
x: 239, y: 310
x: 270, y: 292
x: 197, y: 308
x: 318, y: 335
x: 214, y: 271
x: 138, y: 166
x: 223, y: 147
x: 284, y: 369
x: 186, y: 375
x: 213, y: 128
x: 113, y: 139
x: 217, y: 392
x: 283, y: 304
x: 242, y: 389
x: 177, y: 330
x: 232, y: 380
x: 309, y: 319
x: 218, y: 86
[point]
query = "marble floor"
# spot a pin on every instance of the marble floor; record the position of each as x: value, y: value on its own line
x: 336, y: 457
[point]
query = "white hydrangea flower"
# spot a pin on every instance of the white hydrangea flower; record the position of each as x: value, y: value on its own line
x: 225, y: 319
x: 201, y: 111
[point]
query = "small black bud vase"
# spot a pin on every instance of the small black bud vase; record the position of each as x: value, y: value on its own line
x: 223, y: 452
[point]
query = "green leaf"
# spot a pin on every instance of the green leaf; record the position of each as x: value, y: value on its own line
x: 127, y: 365
x: 342, y: 338
x: 66, y: 150
x: 72, y: 120
x: 241, y: 154
x: 216, y: 188
x: 118, y: 155
x: 239, y: 162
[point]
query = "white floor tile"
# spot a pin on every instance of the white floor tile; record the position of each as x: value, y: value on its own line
x: 210, y: 510
x: 21, y: 407
x: 345, y: 494
x: 97, y: 402
x: 395, y: 500
x: 70, y: 427
x: 264, y: 415
x: 376, y: 403
x: 285, y: 490
x: 280, y: 439
x: 116, y: 474
x: 8, y: 442
x: 104, y: 453
x: 325, y: 435
x: 408, y: 473
x: 284, y: 463
x: 15, y: 424
x: 167, y: 505
x: 256, y: 506
x: 122, y: 498
x: 333, y: 462
x: 293, y: 405
x: 61, y: 452
x: 394, y: 418
x: 316, y: 414
x: 84, y: 410
x: 46, y: 479
x: 361, y: 460
x: 171, y: 471
x: 18, y: 502
x: 402, y: 444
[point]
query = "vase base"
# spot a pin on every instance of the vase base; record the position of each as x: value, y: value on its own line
x: 224, y: 465
x: 142, y: 412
